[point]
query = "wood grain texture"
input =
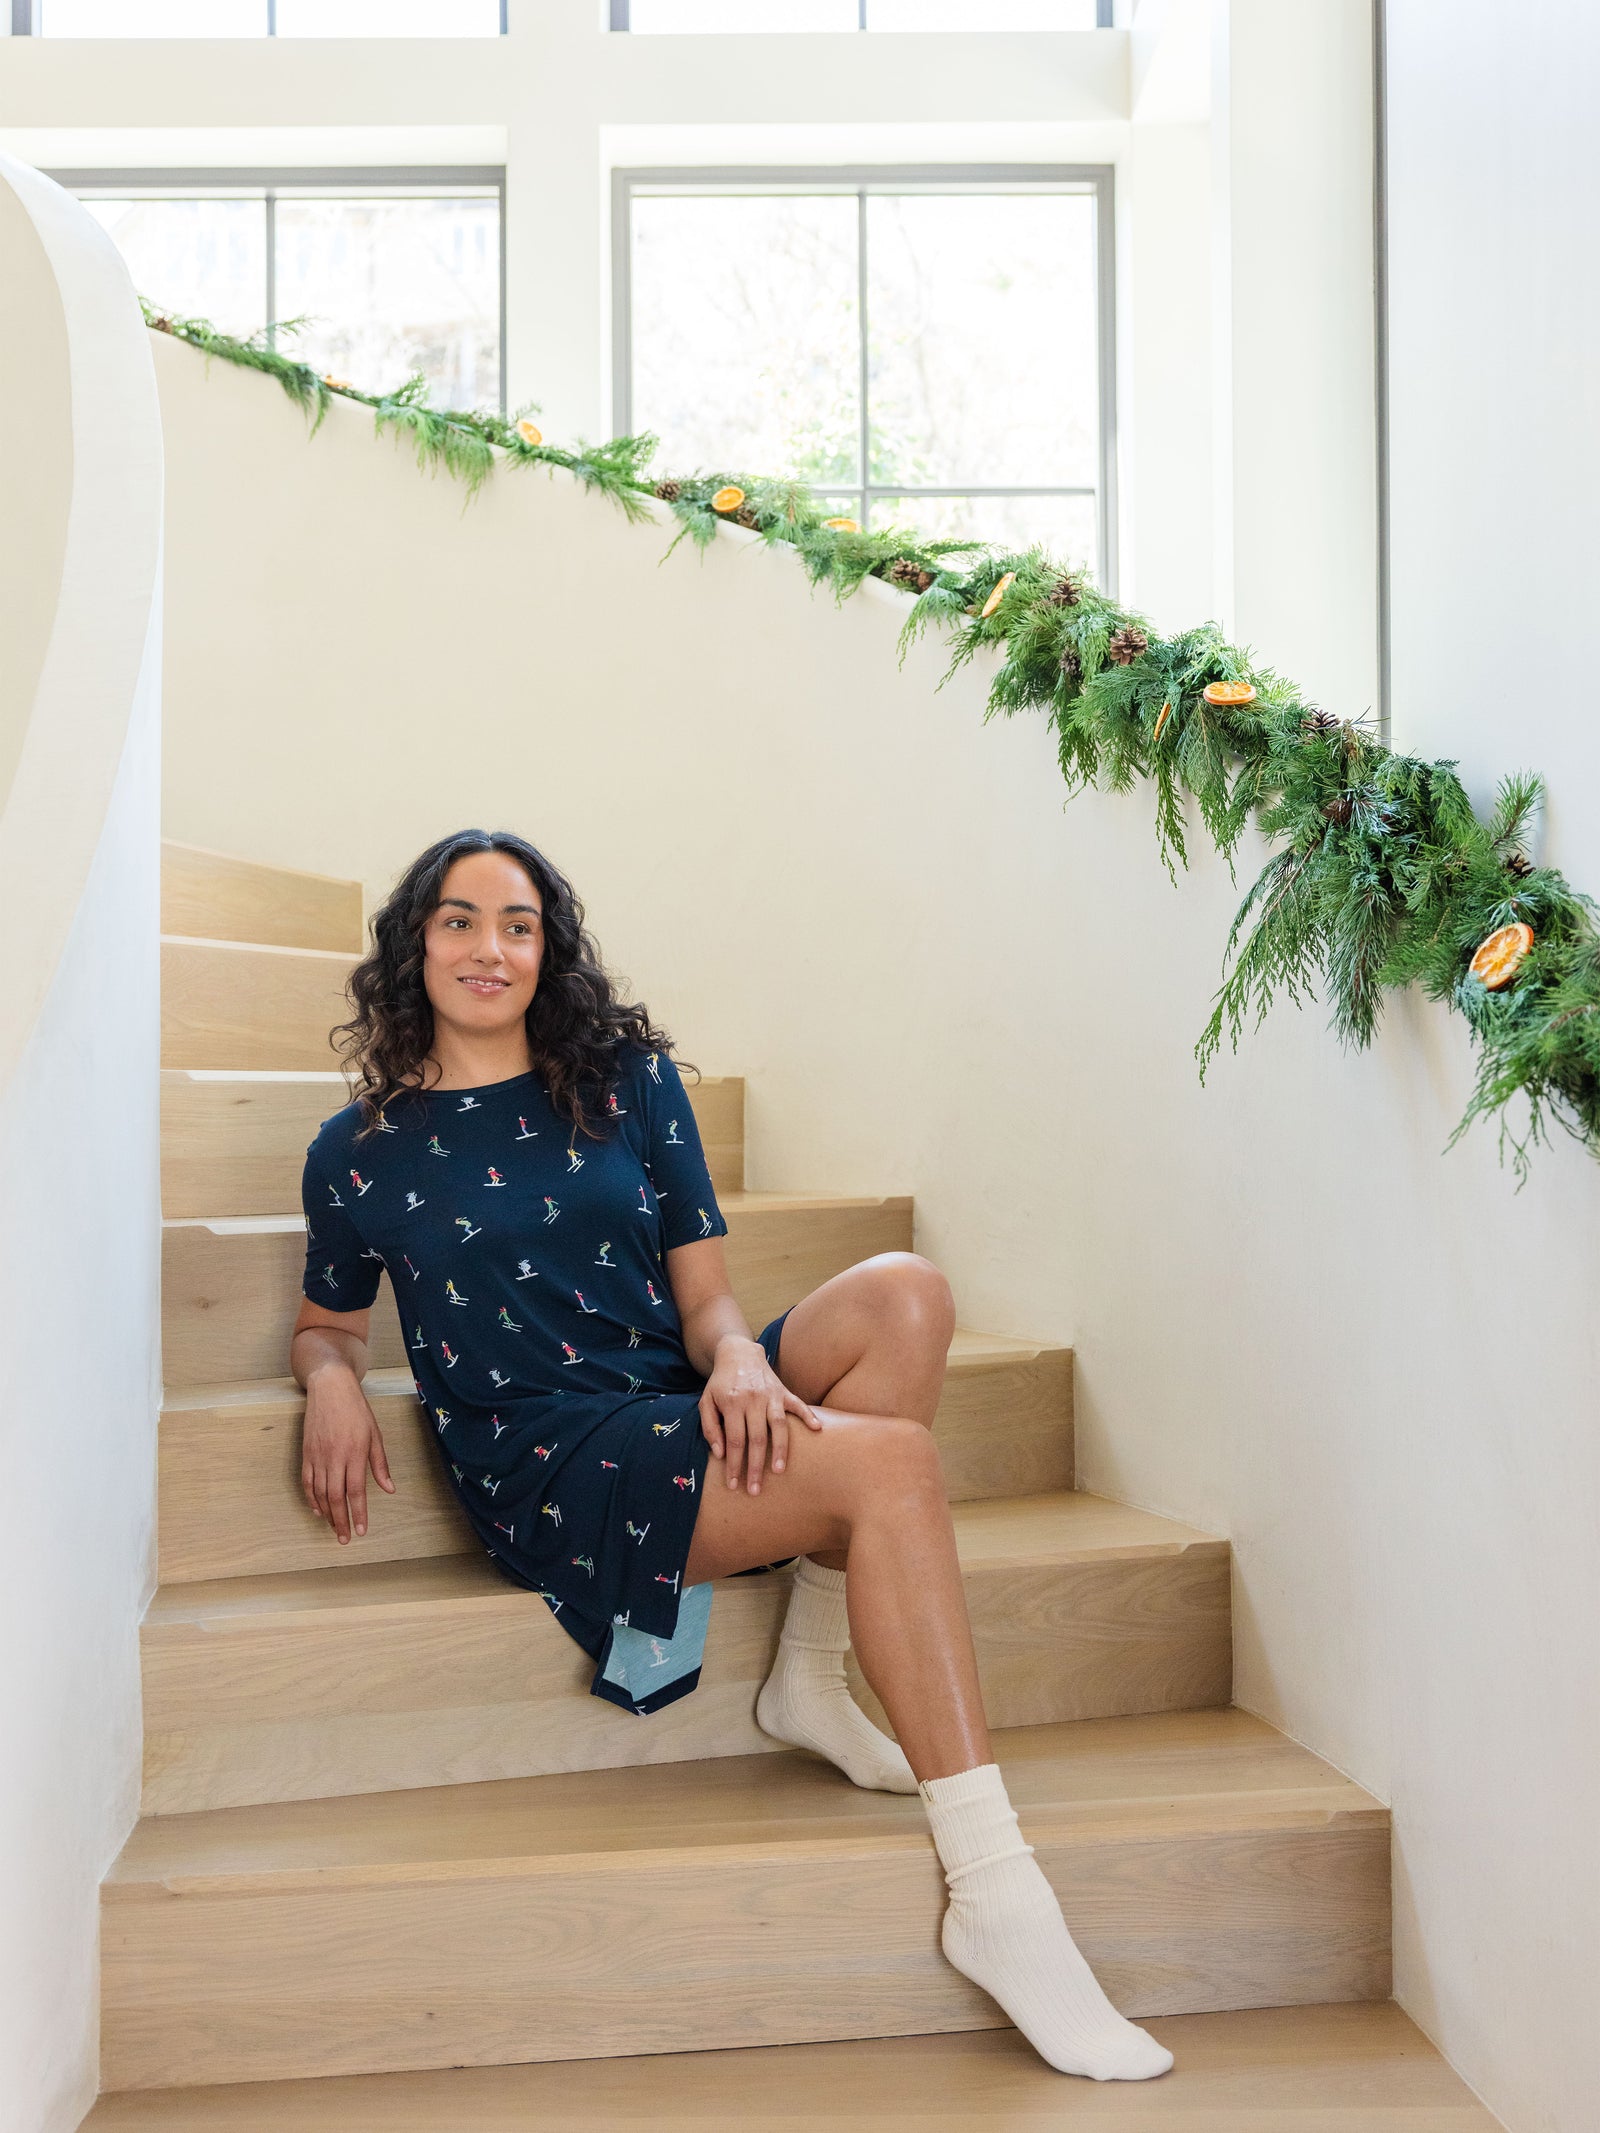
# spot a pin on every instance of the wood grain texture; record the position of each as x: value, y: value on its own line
x: 372, y: 1676
x: 214, y: 897
x: 226, y: 1004
x: 759, y: 1900
x: 1358, y: 2067
x: 230, y: 1503
x: 233, y: 1143
x: 231, y: 1288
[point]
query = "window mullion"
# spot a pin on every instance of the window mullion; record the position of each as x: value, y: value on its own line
x: 272, y: 266
x: 864, y: 473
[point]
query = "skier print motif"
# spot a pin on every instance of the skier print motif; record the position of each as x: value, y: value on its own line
x: 546, y: 1346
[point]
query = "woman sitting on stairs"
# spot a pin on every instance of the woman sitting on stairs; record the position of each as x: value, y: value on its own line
x: 523, y: 1161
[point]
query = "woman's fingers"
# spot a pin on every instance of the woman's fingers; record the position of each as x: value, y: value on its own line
x: 355, y: 1490
x: 795, y: 1405
x: 711, y: 1424
x: 733, y: 1423
x: 778, y: 1431
x: 756, y: 1443
x: 380, y: 1460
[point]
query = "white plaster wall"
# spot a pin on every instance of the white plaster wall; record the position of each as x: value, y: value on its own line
x: 78, y: 1180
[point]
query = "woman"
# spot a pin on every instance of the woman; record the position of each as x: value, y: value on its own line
x: 523, y: 1160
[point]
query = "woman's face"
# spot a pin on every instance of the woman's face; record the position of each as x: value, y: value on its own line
x: 483, y: 945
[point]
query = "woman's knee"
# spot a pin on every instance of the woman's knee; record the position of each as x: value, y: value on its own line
x: 916, y: 1292
x: 888, y: 1458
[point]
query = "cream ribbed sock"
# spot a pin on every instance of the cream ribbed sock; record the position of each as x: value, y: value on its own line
x: 1004, y: 1930
x: 806, y: 1700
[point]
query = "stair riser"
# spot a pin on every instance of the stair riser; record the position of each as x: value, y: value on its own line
x: 237, y: 1147
x: 223, y: 899
x: 370, y: 1699
x: 614, y: 1954
x: 224, y: 1006
x: 229, y: 1299
x: 230, y: 1475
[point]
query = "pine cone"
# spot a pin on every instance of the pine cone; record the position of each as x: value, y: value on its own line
x: 1340, y: 808
x: 1520, y: 864
x: 668, y: 491
x: 1071, y: 666
x: 903, y: 572
x: 1063, y: 593
x: 1318, y: 722
x: 1126, y: 644
x: 745, y: 516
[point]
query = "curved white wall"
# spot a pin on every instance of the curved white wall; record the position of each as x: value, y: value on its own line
x: 79, y: 1219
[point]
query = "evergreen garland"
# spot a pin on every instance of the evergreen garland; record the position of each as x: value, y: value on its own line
x: 1383, y: 875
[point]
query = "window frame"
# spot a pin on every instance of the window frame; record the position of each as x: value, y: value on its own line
x: 26, y: 15
x: 424, y: 181
x: 621, y: 10
x: 1097, y: 179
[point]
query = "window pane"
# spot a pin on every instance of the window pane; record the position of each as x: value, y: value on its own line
x: 665, y: 16
x: 204, y: 258
x: 746, y: 348
x: 1064, y: 525
x: 991, y: 15
x: 153, y: 18
x: 983, y: 343
x: 388, y: 18
x: 392, y: 286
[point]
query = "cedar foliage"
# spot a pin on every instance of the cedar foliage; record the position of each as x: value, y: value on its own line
x: 1382, y: 875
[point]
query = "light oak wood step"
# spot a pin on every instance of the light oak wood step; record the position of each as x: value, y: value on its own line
x: 1356, y: 2067
x: 233, y: 1143
x: 230, y: 1502
x: 1204, y: 1862
x: 216, y: 897
x: 231, y: 1287
x: 373, y: 1676
x: 232, y: 1004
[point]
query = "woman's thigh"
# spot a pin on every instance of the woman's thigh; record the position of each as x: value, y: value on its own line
x: 896, y: 1304
x: 810, y: 1506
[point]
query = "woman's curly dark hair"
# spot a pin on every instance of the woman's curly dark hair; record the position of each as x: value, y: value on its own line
x: 576, y: 1024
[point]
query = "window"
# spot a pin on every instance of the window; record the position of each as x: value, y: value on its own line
x: 929, y: 348
x: 681, y: 17
x: 258, y: 18
x: 393, y: 271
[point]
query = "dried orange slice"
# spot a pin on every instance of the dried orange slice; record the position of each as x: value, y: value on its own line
x: 338, y: 385
x: 999, y: 593
x: 1228, y: 692
x: 728, y: 499
x: 842, y: 525
x: 1161, y: 721
x: 1501, y: 956
x: 529, y: 435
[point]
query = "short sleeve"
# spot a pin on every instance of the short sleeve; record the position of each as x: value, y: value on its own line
x: 675, y: 1158
x: 341, y: 1273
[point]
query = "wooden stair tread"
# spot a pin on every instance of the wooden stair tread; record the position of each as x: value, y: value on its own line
x: 731, y: 1203
x: 1064, y: 1526
x: 343, y: 956
x: 1360, y: 2067
x: 1079, y: 1781
x: 968, y: 1351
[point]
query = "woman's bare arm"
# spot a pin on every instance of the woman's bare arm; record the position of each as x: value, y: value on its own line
x: 341, y: 1438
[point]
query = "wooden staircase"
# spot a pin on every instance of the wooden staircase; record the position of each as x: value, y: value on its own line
x: 392, y: 1855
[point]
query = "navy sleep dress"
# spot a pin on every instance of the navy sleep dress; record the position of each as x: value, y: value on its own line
x: 527, y: 1263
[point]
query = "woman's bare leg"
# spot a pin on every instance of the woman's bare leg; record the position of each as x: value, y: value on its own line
x: 869, y: 1490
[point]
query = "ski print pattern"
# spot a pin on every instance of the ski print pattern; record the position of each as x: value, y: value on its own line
x: 576, y: 1455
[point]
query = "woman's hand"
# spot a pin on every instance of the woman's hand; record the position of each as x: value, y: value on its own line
x: 745, y: 1410
x: 341, y: 1438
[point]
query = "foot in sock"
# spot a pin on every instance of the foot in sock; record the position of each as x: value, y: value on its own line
x: 1004, y: 1930
x: 806, y: 1700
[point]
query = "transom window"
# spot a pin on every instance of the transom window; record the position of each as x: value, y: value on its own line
x: 681, y: 17
x: 928, y: 348
x: 259, y: 18
x: 394, y: 271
